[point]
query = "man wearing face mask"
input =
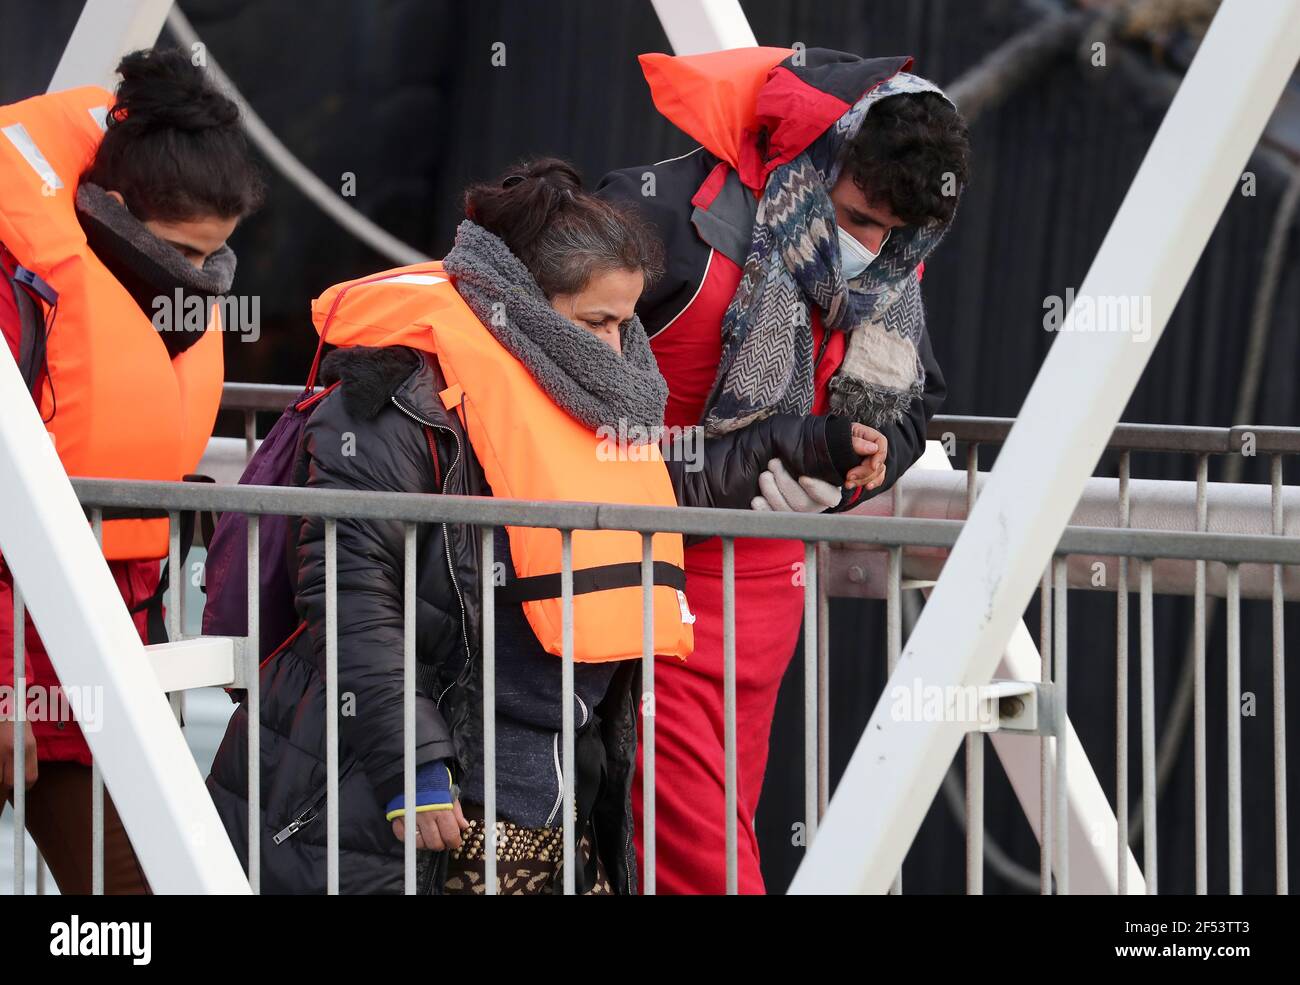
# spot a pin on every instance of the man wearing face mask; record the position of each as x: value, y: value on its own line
x: 796, y: 236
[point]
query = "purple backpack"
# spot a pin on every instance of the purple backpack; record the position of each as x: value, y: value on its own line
x: 226, y: 611
x: 226, y: 572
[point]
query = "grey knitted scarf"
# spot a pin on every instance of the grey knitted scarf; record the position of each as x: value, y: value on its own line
x: 145, y: 266
x: 149, y: 257
x: 582, y: 374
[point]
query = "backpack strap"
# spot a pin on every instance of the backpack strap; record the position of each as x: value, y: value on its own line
x: 31, y: 294
x: 153, y: 605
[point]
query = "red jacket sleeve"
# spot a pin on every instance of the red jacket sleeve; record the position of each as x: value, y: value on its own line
x: 8, y: 310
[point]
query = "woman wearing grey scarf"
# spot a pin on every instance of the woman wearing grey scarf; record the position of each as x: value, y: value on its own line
x: 554, y: 274
x: 563, y: 302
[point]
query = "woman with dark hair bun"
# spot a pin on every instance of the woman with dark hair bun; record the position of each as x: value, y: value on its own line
x: 516, y: 367
x: 114, y: 213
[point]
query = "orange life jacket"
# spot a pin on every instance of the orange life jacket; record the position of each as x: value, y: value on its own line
x: 530, y: 448
x: 116, y: 405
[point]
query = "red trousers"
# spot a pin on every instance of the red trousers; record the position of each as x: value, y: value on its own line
x: 690, y: 769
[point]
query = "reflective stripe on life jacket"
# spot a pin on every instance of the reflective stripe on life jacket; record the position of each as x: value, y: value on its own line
x: 530, y: 448
x: 115, y: 404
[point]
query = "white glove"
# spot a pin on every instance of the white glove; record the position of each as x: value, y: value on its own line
x: 782, y: 493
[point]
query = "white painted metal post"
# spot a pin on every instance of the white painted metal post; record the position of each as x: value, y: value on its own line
x: 106, y: 30
x: 694, y: 26
x: 99, y: 658
x: 1159, y: 233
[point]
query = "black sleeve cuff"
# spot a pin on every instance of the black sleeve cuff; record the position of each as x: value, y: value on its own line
x: 839, y: 441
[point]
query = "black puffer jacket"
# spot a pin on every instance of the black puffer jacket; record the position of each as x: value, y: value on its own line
x: 376, y: 432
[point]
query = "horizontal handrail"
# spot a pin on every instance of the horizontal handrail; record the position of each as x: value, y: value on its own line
x: 838, y: 528
x: 1263, y: 439
x: 1266, y: 439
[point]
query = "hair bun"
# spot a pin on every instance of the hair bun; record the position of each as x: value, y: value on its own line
x: 555, y: 173
x: 162, y: 88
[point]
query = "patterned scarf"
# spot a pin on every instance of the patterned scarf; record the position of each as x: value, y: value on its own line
x: 794, y: 262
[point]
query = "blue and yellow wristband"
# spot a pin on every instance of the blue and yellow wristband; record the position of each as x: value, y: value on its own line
x: 432, y: 791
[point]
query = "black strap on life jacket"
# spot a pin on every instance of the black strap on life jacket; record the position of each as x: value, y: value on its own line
x: 600, y: 578
x: 153, y: 605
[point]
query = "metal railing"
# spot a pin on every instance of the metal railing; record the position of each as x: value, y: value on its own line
x: 1024, y: 707
x: 1146, y: 548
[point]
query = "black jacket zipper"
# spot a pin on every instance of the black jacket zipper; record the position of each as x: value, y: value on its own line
x: 311, y: 812
x: 446, y: 540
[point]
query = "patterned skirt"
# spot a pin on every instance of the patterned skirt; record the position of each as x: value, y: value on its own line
x: 529, y: 860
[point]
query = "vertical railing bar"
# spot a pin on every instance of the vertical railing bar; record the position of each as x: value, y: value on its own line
x: 1121, y: 690
x: 252, y: 675
x: 331, y: 708
x: 823, y: 689
x: 1148, y: 700
x: 1279, y: 694
x: 972, y: 475
x: 974, y: 739
x: 648, y: 714
x: 566, y: 691
x: 250, y: 433
x: 97, y: 829
x: 810, y: 694
x: 1200, y: 786
x: 411, y: 817
x: 40, y: 873
x: 20, y: 743
x: 1060, y: 679
x: 487, y: 565
x: 96, y: 777
x: 175, y: 579
x: 1234, y: 730
x: 729, y: 705
x: 894, y: 641
x: 975, y: 813
x: 1046, y: 748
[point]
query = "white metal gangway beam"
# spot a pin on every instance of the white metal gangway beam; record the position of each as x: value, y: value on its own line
x: 1159, y: 233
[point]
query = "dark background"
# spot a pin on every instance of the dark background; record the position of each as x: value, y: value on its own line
x: 403, y: 94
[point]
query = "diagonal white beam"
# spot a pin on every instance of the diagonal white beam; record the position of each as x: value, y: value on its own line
x: 105, y: 31
x: 1093, y: 840
x: 694, y: 26
x: 1159, y: 233
x: 97, y: 653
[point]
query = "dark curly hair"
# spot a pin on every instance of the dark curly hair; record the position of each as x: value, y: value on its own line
x: 173, y: 148
x: 910, y: 150
x: 562, y: 234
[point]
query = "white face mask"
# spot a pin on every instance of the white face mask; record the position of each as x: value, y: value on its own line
x: 854, y: 257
